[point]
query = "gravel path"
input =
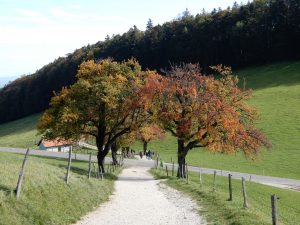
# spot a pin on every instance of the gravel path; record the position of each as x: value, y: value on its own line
x: 139, y: 199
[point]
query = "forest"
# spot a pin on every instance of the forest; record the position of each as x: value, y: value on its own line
x: 259, y: 32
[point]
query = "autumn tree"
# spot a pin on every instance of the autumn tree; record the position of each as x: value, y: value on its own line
x: 202, y: 111
x: 148, y: 133
x: 105, y: 102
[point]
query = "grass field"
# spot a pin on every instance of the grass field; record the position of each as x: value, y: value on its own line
x: 277, y: 97
x: 219, y: 211
x: 20, y: 133
x: 46, y: 199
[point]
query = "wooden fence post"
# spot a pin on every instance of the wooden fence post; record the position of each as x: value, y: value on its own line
x: 69, y: 165
x: 244, y: 192
x: 167, y: 171
x: 101, y: 173
x: 187, y: 173
x: 215, y: 188
x: 94, y: 170
x: 173, y: 167
x: 200, y: 178
x: 230, y: 187
x: 90, y: 166
x: 21, y: 175
x: 274, y: 209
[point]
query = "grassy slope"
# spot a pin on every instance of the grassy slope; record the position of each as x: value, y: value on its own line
x: 20, y: 133
x: 219, y: 211
x: 46, y: 199
x: 276, y: 95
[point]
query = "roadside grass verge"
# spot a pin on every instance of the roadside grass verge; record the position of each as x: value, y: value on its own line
x: 46, y: 198
x: 219, y: 211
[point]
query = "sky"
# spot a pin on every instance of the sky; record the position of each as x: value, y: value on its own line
x: 34, y: 33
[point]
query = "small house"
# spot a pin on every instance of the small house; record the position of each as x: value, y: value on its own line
x: 56, y: 145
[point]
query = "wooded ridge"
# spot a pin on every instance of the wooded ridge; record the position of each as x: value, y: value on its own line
x: 259, y: 32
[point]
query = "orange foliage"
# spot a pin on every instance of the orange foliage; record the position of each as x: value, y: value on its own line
x: 150, y: 132
x: 203, y: 111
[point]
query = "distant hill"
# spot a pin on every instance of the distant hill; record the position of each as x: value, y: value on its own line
x: 259, y: 32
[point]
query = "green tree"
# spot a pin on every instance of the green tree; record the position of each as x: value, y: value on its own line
x: 106, y: 102
x: 149, y: 25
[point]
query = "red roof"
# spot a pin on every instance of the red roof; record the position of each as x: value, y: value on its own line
x: 56, y: 143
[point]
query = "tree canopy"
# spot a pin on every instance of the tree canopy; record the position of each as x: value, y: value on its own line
x: 105, y: 102
x: 203, y: 111
x: 112, y: 101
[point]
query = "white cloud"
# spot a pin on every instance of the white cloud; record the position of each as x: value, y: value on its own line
x: 61, y: 13
x: 23, y: 17
x: 28, y: 13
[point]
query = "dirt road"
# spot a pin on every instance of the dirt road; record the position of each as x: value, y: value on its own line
x: 139, y: 199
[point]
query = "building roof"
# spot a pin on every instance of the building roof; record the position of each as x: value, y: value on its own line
x: 55, y: 142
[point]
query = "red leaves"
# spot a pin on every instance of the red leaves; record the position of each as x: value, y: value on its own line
x: 212, y: 112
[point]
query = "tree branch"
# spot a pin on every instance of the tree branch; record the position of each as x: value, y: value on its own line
x: 172, y: 131
x: 124, y: 131
x: 90, y: 133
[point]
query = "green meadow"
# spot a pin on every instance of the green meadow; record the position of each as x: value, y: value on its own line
x: 20, y: 133
x: 45, y: 196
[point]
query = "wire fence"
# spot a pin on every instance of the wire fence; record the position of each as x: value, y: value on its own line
x: 22, y: 161
x: 258, y: 201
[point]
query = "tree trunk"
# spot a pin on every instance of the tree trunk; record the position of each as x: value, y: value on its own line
x: 102, y: 152
x: 127, y: 152
x: 114, y: 149
x: 145, y: 143
x: 101, y: 157
x: 100, y: 139
x: 181, y: 153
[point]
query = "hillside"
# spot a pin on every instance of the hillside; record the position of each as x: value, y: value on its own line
x: 20, y: 133
x: 277, y: 99
x: 258, y: 32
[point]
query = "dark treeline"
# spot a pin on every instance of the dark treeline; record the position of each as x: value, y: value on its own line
x: 262, y: 31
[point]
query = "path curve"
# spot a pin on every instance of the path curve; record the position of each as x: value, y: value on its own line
x: 141, y: 200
